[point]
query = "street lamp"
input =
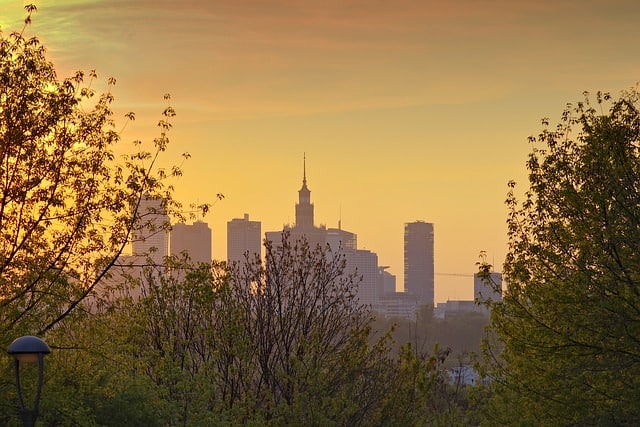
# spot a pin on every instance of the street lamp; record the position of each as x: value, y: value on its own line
x: 29, y: 349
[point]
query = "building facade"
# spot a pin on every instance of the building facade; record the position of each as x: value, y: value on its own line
x: 243, y: 239
x: 419, y: 261
x: 194, y: 239
x: 387, y: 281
x: 483, y: 291
x: 364, y: 265
x: 151, y: 231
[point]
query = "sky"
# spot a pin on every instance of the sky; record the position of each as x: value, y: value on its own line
x: 406, y: 110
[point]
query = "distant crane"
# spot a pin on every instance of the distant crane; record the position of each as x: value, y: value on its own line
x: 455, y: 274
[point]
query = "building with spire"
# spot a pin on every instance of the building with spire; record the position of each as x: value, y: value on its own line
x: 304, y: 226
x: 304, y: 207
x: 362, y: 263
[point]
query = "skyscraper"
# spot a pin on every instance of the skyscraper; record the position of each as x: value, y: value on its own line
x: 387, y: 280
x: 149, y: 247
x: 304, y: 207
x: 243, y: 236
x: 337, y: 238
x: 362, y: 263
x: 194, y: 239
x: 365, y: 264
x: 419, y: 261
x: 304, y: 226
x: 483, y: 291
x: 150, y: 234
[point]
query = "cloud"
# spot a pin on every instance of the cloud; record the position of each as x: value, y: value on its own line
x: 290, y: 57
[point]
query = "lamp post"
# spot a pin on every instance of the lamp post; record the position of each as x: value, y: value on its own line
x: 29, y: 349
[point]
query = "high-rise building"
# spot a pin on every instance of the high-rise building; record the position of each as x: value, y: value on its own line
x: 149, y: 247
x: 387, y: 280
x: 304, y: 226
x: 362, y: 263
x: 483, y: 291
x: 243, y: 237
x: 150, y: 234
x: 419, y: 261
x: 365, y: 265
x: 304, y: 207
x: 194, y: 239
x: 337, y: 238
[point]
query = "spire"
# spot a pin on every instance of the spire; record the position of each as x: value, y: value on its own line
x: 304, y: 168
x: 304, y: 175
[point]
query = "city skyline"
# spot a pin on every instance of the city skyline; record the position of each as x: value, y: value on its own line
x: 408, y: 110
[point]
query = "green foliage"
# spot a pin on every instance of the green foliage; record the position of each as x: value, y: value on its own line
x: 68, y: 207
x: 279, y: 343
x: 66, y: 200
x: 196, y: 349
x: 570, y: 320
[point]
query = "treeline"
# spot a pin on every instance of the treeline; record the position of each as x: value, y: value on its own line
x: 279, y: 343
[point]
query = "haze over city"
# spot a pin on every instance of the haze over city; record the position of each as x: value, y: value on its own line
x: 407, y: 110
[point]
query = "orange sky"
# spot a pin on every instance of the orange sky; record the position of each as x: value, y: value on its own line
x: 407, y: 109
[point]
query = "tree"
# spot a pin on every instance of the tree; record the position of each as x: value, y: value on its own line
x: 569, y: 324
x: 176, y: 335
x: 281, y: 342
x: 68, y: 204
x: 310, y: 360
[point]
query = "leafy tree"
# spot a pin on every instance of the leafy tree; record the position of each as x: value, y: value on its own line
x: 279, y: 343
x: 66, y: 200
x: 310, y: 354
x: 68, y: 203
x: 569, y: 324
x: 90, y: 378
x: 175, y: 338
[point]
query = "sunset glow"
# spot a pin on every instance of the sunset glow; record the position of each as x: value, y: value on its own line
x: 406, y: 110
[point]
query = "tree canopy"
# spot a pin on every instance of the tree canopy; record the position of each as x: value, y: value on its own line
x: 67, y: 202
x: 569, y: 325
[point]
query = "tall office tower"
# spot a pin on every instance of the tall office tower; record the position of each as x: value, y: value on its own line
x: 304, y: 207
x: 419, y: 261
x: 194, y: 239
x: 366, y: 266
x: 483, y: 290
x: 150, y: 234
x: 363, y: 264
x: 243, y: 236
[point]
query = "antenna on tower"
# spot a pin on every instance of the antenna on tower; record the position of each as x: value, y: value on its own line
x: 340, y: 218
x: 304, y: 167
